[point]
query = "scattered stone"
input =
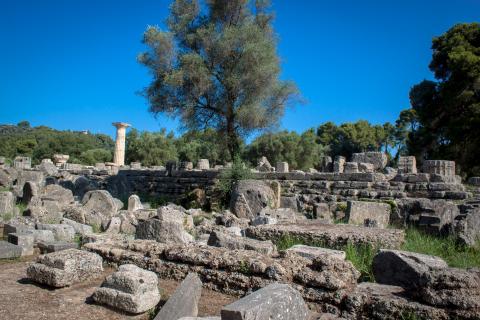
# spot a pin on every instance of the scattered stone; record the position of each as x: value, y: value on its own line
x: 282, y: 167
x: 54, y: 246
x: 163, y: 231
x: 43, y: 236
x: 339, y: 164
x: 273, y: 302
x: 249, y: 197
x: 366, y: 167
x: 15, y: 228
x: 7, y: 204
x: 129, y: 289
x: 407, y: 165
x: 184, y: 301
x: 114, y: 225
x: 315, y: 252
x: 441, y: 167
x: 99, y: 207
x: 331, y: 235
x: 61, y: 232
x: 9, y: 250
x: 403, y: 268
x: 378, y: 159
x: 134, y: 203
x: 22, y: 162
x: 23, y: 240
x: 359, y: 211
x: 82, y: 229
x: 264, y: 165
x: 203, y: 164
x: 220, y: 239
x: 30, y: 190
x: 350, y: 167
x: 322, y: 212
x: 259, y: 220
x: 64, y: 268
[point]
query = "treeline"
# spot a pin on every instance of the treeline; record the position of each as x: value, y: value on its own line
x: 43, y: 142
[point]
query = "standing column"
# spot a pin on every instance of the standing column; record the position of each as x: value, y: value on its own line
x: 119, y: 155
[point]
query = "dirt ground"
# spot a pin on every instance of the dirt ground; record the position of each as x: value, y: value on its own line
x: 22, y: 299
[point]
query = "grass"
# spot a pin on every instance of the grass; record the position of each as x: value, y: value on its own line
x: 447, y: 248
x: 362, y: 256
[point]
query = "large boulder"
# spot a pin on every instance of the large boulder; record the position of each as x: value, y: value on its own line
x: 467, y: 228
x: 57, y: 193
x: 365, y: 212
x: 130, y: 289
x: 273, y: 302
x: 99, y: 207
x: 249, y: 197
x: 64, y: 268
x: 163, y: 231
x: 184, y: 301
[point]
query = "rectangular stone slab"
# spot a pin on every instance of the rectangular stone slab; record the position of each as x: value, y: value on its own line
x: 329, y: 235
x: 9, y: 250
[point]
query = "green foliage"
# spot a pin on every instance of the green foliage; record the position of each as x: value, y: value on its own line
x: 150, y: 148
x: 217, y: 67
x: 96, y: 228
x: 447, y: 248
x: 354, y: 137
x: 229, y: 176
x: 444, y: 119
x: 93, y: 156
x: 43, y: 142
x: 300, y: 151
x: 361, y: 257
x: 205, y: 144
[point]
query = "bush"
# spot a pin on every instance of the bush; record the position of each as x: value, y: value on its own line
x: 229, y: 176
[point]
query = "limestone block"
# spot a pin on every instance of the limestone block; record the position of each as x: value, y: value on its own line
x: 249, y: 197
x: 259, y: 220
x: 184, y: 301
x: 186, y: 165
x: 7, y: 204
x: 23, y: 240
x: 22, y: 162
x: 441, y: 167
x: 315, y: 252
x: 366, y: 167
x: 203, y: 164
x: 135, y: 165
x: 273, y: 302
x: 225, y: 240
x: 9, y: 250
x: 63, y: 268
x: 282, y: 167
x: 134, y: 203
x: 407, y: 164
x: 15, y: 228
x: 61, y: 232
x: 264, y: 165
x: 378, y: 159
x: 403, y: 268
x: 129, y: 289
x: 359, y: 211
x: 322, y: 211
x: 54, y: 246
x: 326, y: 164
x: 80, y: 228
x: 350, y: 167
x: 43, y: 236
x: 163, y: 231
x: 339, y: 164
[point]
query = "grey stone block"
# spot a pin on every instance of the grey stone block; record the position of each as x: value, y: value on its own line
x: 9, y: 250
x: 61, y: 232
x: 315, y: 252
x: 184, y: 301
x: 273, y: 302
x: 360, y: 211
x: 23, y: 240
x: 54, y: 246
x: 130, y: 289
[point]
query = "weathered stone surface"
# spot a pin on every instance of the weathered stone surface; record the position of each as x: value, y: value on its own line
x: 322, y: 212
x: 228, y: 219
x: 259, y: 220
x: 129, y: 289
x: 9, y: 250
x: 467, y: 228
x: 315, y: 252
x: 407, y: 164
x: 48, y: 168
x: 113, y: 225
x: 221, y: 239
x: 16, y: 228
x: 282, y: 167
x: 249, y: 197
x: 54, y: 246
x: 274, y: 302
x: 171, y: 213
x: 403, y: 268
x: 184, y: 301
x: 7, y: 205
x: 282, y: 214
x: 23, y: 240
x: 378, y: 159
x: 162, y: 231
x: 366, y: 167
x: 99, y: 207
x: 22, y: 162
x: 203, y: 164
x: 359, y: 211
x: 61, y: 232
x: 264, y: 165
x: 63, y: 268
x: 134, y: 203
x: 42, y: 236
x: 30, y: 190
x: 333, y: 236
x: 339, y: 164
x: 350, y: 167
x: 441, y: 167
x: 79, y: 228
x: 474, y: 181
x: 378, y: 301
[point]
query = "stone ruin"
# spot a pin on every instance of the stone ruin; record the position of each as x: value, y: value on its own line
x: 237, y: 250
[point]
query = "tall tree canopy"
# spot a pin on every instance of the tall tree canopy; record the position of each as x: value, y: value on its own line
x: 445, y: 114
x: 217, y: 67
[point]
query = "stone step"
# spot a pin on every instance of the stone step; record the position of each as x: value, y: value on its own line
x: 9, y: 250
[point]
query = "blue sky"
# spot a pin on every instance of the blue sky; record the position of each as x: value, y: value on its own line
x: 71, y: 64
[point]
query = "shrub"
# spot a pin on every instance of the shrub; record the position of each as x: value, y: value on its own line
x: 229, y: 176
